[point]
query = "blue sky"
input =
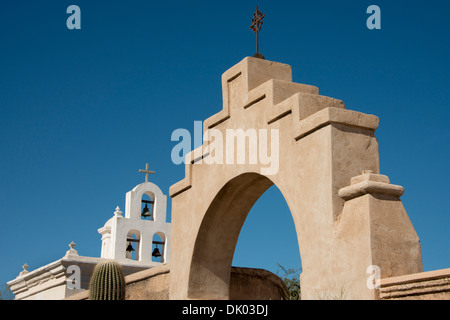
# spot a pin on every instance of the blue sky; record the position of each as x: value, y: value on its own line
x: 81, y: 109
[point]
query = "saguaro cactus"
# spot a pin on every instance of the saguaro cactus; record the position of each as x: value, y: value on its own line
x: 107, y: 282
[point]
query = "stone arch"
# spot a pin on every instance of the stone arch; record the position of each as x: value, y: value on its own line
x: 347, y: 216
x: 219, y: 233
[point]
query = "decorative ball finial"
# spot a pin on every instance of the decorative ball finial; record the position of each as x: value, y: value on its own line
x: 24, y: 270
x: 71, y: 251
x: 118, y: 213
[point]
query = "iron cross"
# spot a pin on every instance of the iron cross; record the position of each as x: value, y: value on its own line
x: 146, y: 171
x: 257, y: 22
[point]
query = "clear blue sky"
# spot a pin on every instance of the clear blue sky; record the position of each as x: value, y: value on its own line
x: 80, y: 109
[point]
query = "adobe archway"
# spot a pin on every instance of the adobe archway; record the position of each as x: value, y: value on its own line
x: 347, y: 216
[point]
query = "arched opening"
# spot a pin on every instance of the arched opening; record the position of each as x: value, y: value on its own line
x: 218, y: 235
x: 133, y: 245
x: 147, y: 206
x: 268, y: 240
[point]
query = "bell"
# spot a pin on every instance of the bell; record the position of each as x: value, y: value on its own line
x: 145, y: 212
x: 156, y: 253
x: 130, y: 247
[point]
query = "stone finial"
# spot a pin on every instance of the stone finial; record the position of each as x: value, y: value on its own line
x: 118, y: 213
x: 24, y: 271
x: 71, y: 251
x: 369, y: 183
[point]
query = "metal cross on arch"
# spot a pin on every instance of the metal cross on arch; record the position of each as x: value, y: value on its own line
x: 257, y: 22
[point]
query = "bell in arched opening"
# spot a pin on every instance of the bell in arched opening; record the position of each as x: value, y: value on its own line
x: 146, y: 212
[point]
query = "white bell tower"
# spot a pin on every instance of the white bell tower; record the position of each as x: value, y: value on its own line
x: 143, y: 234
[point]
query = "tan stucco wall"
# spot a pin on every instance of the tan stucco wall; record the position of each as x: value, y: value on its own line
x: 255, y: 284
x: 259, y: 284
x: 246, y: 284
x: 149, y: 284
x: 431, y: 285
